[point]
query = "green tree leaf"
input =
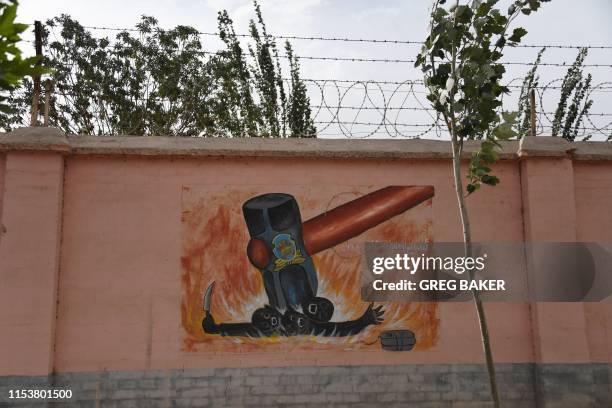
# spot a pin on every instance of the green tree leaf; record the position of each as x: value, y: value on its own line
x: 517, y: 34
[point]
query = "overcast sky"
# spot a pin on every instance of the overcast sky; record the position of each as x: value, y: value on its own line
x: 558, y: 22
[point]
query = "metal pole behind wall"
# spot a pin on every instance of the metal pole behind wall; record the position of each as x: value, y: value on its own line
x: 532, y: 112
x: 36, y: 90
x: 48, y: 90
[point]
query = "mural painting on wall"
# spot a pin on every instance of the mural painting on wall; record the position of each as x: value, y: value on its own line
x: 257, y: 277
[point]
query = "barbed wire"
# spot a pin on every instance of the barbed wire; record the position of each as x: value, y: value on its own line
x: 413, y: 108
x: 389, y: 110
x: 412, y: 61
x: 358, y: 40
x: 563, y: 64
x: 363, y: 109
x: 385, y: 108
x: 355, y: 40
x: 417, y: 83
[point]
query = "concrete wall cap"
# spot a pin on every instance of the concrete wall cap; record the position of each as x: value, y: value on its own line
x: 544, y: 146
x: 52, y: 139
x: 593, y: 151
x: 257, y: 147
x: 40, y: 139
x: 260, y: 147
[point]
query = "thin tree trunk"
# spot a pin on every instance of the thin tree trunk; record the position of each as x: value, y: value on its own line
x: 467, y: 240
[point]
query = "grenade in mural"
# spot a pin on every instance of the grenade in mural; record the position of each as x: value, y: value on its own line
x: 281, y: 247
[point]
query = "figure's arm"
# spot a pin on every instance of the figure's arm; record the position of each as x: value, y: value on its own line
x: 224, y: 329
x: 229, y: 329
x: 372, y: 316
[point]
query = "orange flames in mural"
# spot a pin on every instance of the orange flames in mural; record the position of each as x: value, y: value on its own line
x: 214, y: 245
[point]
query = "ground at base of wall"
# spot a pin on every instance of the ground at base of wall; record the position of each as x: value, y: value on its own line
x: 452, y: 386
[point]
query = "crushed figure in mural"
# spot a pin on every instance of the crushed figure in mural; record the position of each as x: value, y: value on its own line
x: 281, y: 248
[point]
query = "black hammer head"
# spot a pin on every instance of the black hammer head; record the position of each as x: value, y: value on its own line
x: 273, y: 212
x: 277, y: 249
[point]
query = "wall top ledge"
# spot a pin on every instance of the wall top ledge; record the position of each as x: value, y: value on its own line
x: 40, y: 139
x: 544, y: 147
x: 593, y: 151
x: 43, y: 139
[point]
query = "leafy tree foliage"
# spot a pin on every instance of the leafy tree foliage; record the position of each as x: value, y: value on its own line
x: 461, y: 62
x: 13, y: 67
x: 463, y: 72
x: 150, y: 81
x: 573, y: 104
x: 568, y: 118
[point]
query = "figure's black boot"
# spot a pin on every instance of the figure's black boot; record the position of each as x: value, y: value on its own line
x: 318, y: 309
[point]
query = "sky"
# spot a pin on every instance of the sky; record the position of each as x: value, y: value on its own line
x: 564, y: 22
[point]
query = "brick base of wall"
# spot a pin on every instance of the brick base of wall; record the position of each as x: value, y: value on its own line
x: 457, y: 385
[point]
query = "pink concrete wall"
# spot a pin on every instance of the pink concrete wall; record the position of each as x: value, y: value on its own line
x: 120, y: 276
x: 113, y: 224
x: 29, y: 260
x: 2, y: 170
x: 593, y: 182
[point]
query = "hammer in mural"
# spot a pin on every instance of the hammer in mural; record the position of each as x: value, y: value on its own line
x: 281, y: 247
